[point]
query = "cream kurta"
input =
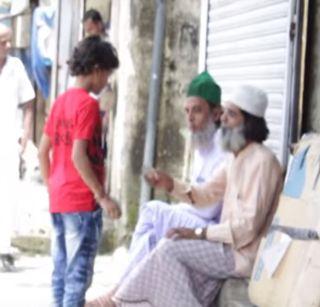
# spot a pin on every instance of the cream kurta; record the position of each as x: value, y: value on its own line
x: 250, y: 185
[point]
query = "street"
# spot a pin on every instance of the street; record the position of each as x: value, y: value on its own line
x: 29, y: 284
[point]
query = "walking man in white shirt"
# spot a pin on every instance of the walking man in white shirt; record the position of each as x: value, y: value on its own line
x: 17, y: 95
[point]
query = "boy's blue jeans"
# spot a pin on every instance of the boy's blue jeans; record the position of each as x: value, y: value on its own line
x: 75, y: 242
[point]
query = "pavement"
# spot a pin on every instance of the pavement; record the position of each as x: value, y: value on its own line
x: 28, y: 285
x: 32, y: 210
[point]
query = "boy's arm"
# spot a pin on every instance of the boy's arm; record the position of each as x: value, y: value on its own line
x: 83, y: 166
x: 44, y: 158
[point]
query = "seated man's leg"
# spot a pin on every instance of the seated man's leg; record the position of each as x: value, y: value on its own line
x: 146, y: 222
x: 144, y: 236
x: 155, y: 219
x: 158, y: 217
x: 183, y: 273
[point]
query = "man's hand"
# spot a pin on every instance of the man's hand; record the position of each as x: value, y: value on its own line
x: 23, y: 144
x: 159, y: 180
x: 182, y: 233
x: 111, y: 207
x: 27, y: 110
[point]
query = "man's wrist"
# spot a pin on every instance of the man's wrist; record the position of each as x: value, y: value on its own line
x: 201, y: 233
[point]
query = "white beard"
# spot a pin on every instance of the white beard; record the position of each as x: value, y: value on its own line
x: 232, y: 139
x: 204, y: 138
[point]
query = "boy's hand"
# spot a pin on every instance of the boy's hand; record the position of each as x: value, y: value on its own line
x: 111, y: 207
x: 159, y: 180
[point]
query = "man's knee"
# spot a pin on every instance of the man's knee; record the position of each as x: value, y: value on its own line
x: 154, y: 205
x: 166, y: 248
x: 147, y: 216
x: 147, y: 211
x: 152, y: 210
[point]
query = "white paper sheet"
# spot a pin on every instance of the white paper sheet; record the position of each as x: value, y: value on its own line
x: 273, y: 255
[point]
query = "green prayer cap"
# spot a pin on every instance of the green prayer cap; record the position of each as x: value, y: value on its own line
x: 205, y: 87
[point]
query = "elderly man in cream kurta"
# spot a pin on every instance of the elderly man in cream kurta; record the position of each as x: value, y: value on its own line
x: 187, y: 268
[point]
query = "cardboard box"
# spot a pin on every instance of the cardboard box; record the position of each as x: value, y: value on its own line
x: 277, y: 290
x: 296, y: 281
x: 306, y: 290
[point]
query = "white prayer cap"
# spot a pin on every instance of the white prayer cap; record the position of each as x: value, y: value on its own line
x: 248, y: 98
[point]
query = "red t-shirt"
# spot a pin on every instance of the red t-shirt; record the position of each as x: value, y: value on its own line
x: 74, y: 115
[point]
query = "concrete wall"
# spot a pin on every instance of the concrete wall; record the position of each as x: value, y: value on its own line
x: 132, y: 25
x: 180, y: 66
x: 103, y: 7
x: 312, y: 90
x: 131, y: 32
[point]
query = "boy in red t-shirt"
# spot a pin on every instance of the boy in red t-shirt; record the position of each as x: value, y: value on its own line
x: 71, y: 162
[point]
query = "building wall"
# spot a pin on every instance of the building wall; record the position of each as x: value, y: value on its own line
x: 132, y: 26
x: 180, y: 66
x: 312, y: 89
x: 103, y: 6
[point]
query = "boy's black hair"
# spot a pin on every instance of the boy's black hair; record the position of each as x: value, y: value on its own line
x: 255, y: 128
x: 92, y: 14
x: 92, y: 52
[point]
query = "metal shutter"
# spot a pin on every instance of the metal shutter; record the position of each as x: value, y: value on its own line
x: 247, y: 41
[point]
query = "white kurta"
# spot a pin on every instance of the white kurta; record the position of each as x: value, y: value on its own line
x: 204, y: 163
x: 157, y: 217
x: 15, y: 89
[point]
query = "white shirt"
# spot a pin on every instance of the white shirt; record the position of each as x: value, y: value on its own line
x: 15, y: 90
x: 205, y: 161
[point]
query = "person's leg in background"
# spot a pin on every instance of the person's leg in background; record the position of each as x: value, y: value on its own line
x: 8, y: 193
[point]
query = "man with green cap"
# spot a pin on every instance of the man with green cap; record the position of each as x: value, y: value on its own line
x: 202, y: 109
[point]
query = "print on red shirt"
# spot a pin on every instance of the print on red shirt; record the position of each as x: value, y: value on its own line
x: 74, y: 115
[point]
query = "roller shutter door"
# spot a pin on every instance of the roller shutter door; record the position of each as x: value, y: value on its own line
x: 247, y: 41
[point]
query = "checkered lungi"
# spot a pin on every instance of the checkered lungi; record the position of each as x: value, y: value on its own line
x: 181, y: 273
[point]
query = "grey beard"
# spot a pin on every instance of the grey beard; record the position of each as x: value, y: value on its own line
x: 204, y: 138
x: 232, y: 139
